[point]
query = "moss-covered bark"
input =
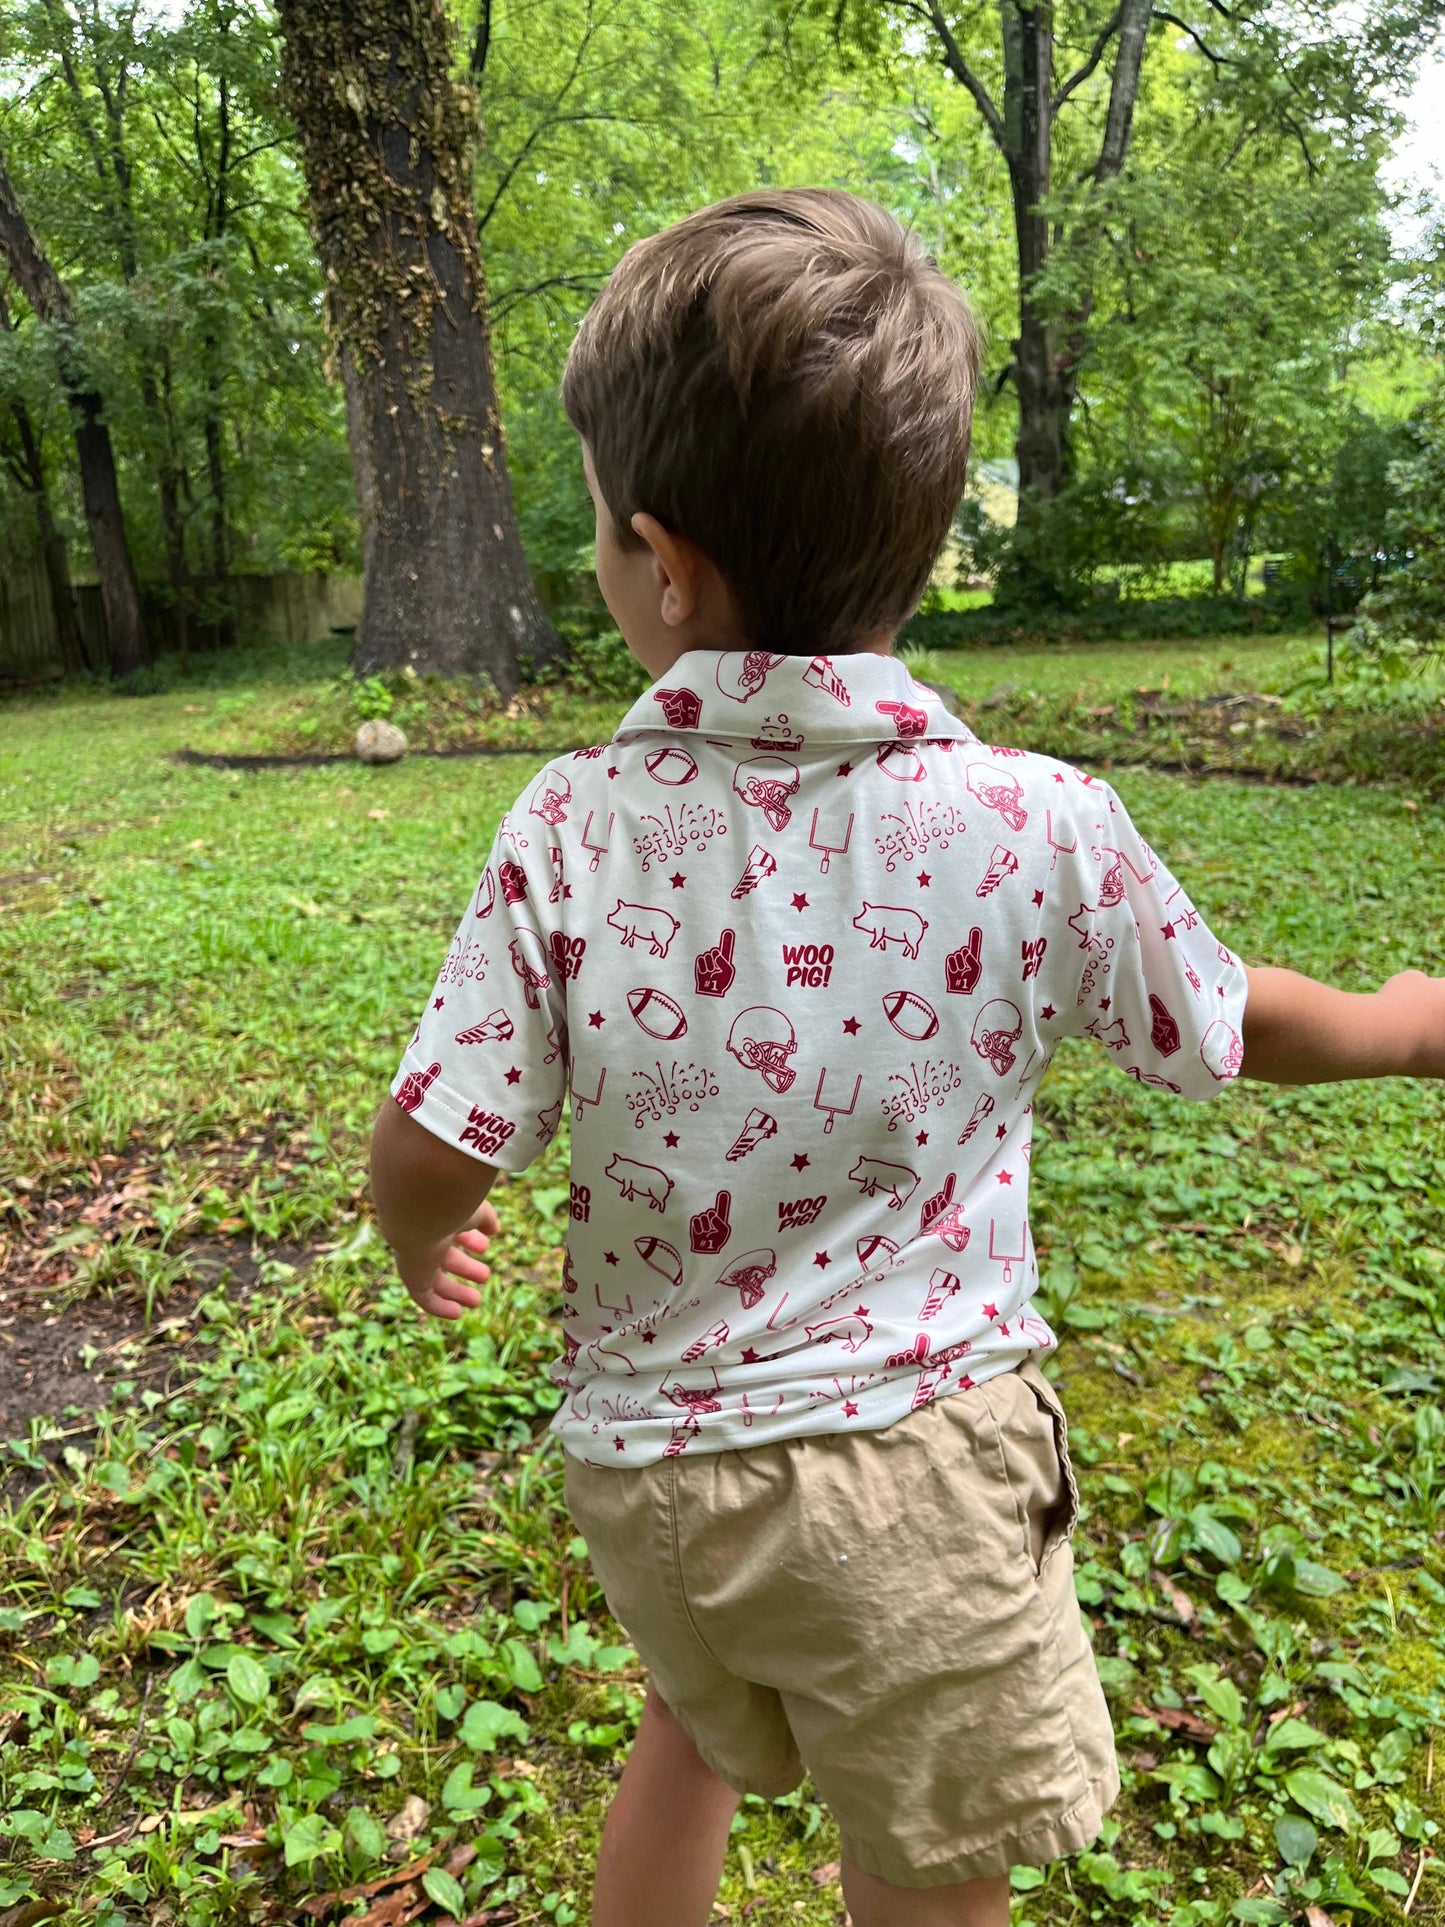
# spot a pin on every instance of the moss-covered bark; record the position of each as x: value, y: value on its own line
x: 386, y: 131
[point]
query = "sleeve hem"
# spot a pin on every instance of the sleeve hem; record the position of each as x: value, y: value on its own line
x: 445, y: 1113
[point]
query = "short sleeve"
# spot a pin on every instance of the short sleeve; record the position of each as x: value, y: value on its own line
x: 487, y: 1067
x: 1154, y: 987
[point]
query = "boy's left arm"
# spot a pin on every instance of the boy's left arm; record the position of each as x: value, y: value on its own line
x: 1298, y: 1031
x: 432, y: 1209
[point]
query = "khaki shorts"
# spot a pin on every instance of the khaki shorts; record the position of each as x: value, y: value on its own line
x: 892, y: 1612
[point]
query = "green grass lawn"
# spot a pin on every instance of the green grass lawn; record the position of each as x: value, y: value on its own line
x: 296, y: 1608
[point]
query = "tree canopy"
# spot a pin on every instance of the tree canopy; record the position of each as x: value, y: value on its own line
x: 1181, y: 249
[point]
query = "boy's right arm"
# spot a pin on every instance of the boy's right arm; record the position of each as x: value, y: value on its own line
x: 1297, y: 1031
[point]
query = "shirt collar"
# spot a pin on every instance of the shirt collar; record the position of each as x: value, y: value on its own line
x: 790, y: 703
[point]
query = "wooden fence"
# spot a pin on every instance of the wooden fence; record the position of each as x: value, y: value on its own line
x: 268, y: 608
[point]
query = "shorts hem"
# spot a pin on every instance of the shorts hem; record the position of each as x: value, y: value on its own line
x: 988, y: 1859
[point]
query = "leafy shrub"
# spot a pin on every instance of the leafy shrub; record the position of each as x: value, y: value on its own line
x: 1403, y: 619
x: 605, y: 664
x: 1167, y: 618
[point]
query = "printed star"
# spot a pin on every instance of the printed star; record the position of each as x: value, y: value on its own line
x: 1004, y: 1330
x: 1057, y: 777
x: 750, y: 1357
x: 1167, y: 931
x: 566, y: 889
x: 923, y: 1137
x: 800, y: 1160
x: 514, y: 1076
x: 1002, y: 1132
x: 614, y: 771
x: 965, y: 1384
x: 677, y: 879
x: 437, y: 1002
x: 610, y: 1257
x: 850, y: 1410
x: 596, y: 1019
x: 845, y: 769
x: 1038, y: 898
x: 670, y: 1140
x: 990, y: 1312
x: 1103, y: 1003
x: 649, y: 1338
x: 860, y: 1311
x: 850, y: 1024
x: 821, y: 1258
x: 1220, y: 989
x: 1047, y: 1012
x: 800, y: 902
x: 1005, y: 1177
x: 619, y: 1445
x: 924, y: 879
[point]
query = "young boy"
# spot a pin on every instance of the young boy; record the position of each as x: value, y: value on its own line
x: 802, y: 948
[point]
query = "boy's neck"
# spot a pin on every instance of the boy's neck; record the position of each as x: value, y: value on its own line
x: 660, y: 662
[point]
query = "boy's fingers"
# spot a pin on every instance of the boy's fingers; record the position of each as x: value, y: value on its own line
x: 459, y: 1265
x: 473, y: 1240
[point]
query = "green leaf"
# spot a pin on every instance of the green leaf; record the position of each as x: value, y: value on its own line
x: 1293, y: 1732
x: 1023, y: 1880
x: 459, y: 1795
x: 1296, y: 1840
x: 365, y: 1838
x: 1220, y: 1541
x: 1322, y: 1797
x: 359, y: 1727
x: 1259, y: 1913
x: 379, y: 1639
x: 308, y: 1839
x: 248, y: 1679
x: 521, y: 1666
x: 1318, y: 1581
x: 486, y: 1723
x: 1220, y: 1695
x: 446, y: 1890
x: 199, y: 1615
x: 450, y: 1700
x: 1387, y: 1879
x: 530, y: 1614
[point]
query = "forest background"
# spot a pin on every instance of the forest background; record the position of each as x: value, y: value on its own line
x: 1210, y: 336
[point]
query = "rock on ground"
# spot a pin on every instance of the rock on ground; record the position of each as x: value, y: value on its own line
x: 379, y: 742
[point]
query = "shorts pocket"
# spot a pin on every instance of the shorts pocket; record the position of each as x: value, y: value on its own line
x: 1036, y: 1456
x: 1064, y: 1513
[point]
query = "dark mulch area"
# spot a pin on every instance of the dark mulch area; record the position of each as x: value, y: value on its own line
x: 317, y: 759
x: 65, y: 1348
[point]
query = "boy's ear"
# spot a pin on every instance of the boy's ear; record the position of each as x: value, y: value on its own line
x: 679, y: 568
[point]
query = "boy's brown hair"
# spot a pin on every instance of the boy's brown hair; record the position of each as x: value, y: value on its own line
x: 787, y: 379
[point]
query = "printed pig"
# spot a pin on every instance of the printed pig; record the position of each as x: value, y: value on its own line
x: 872, y: 1175
x: 886, y: 923
x: 851, y: 1331
x: 636, y: 1180
x: 634, y: 920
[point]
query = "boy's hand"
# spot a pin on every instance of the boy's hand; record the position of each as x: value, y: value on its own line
x: 442, y: 1279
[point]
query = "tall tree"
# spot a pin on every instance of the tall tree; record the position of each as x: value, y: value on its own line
x: 1058, y: 87
x: 23, y: 455
x: 50, y: 301
x: 386, y: 136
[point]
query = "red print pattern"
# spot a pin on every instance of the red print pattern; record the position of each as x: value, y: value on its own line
x: 800, y: 948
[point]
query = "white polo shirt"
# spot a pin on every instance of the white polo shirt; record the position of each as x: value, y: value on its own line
x: 802, y: 947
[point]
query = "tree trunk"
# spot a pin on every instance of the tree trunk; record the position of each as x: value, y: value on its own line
x: 28, y: 467
x: 62, y: 597
x: 48, y: 298
x: 1043, y: 403
x: 386, y: 139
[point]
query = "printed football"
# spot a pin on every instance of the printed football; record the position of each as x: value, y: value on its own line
x: 874, y: 1252
x: 911, y: 1016
x: 658, y: 1014
x: 670, y: 765
x: 660, y: 1257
